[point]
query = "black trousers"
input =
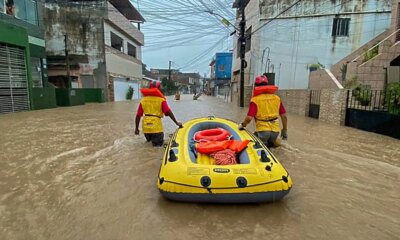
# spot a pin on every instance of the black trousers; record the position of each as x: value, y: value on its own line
x: 157, y: 139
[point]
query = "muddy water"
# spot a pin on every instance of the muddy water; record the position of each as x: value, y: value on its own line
x: 81, y: 173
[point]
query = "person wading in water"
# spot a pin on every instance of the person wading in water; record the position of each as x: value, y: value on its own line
x: 152, y: 108
x: 266, y: 107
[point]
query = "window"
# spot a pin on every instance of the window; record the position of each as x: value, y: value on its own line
x: 131, y: 50
x: 2, y: 6
x: 248, y: 40
x: 19, y: 9
x: 117, y: 42
x: 340, y: 27
x: 23, y: 9
x: 10, y: 8
x: 31, y: 12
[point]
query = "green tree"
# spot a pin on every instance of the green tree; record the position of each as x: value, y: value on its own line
x: 168, y: 87
x: 392, y: 98
x: 129, y: 93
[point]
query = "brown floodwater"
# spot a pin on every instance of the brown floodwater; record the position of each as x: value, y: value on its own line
x: 81, y: 173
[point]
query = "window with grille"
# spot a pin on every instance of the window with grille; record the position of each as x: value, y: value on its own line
x: 340, y: 27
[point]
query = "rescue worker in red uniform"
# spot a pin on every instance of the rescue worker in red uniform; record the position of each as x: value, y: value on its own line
x: 265, y: 108
x: 153, y: 106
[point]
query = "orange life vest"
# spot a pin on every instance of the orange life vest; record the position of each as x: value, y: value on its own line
x: 216, y: 146
x: 238, y: 146
x: 155, y: 92
x: 265, y: 89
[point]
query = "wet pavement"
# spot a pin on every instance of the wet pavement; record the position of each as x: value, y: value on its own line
x: 81, y: 173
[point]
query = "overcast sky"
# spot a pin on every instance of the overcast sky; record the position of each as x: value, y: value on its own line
x: 183, y: 32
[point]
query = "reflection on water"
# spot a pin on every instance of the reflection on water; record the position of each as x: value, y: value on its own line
x: 81, y: 173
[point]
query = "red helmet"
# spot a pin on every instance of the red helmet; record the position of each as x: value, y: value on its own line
x: 155, y: 84
x: 261, y: 80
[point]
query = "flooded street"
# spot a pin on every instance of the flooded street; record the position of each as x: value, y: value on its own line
x: 81, y: 173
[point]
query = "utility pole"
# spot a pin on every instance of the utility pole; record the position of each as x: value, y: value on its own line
x: 241, y: 4
x: 204, y: 81
x: 67, y: 61
x: 169, y: 73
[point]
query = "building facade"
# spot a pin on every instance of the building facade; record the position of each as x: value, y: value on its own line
x: 23, y: 64
x: 75, y: 43
x: 311, y: 33
x: 221, y: 72
x: 123, y: 49
x: 95, y: 44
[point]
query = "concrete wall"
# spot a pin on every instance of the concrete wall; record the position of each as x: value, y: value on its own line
x: 321, y: 79
x: 83, y: 25
x: 123, y: 65
x: 295, y: 101
x: 395, y: 20
x: 332, y: 104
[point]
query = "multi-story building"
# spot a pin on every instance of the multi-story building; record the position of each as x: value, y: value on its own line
x: 220, y: 75
x: 94, y: 44
x: 311, y: 33
x: 123, y: 45
x: 374, y: 64
x: 75, y: 45
x: 23, y: 70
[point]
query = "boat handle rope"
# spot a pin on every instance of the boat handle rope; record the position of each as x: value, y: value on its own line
x: 284, y: 179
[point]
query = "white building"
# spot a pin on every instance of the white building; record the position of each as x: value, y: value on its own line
x: 123, y: 49
x: 311, y: 32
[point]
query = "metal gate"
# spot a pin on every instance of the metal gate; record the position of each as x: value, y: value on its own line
x: 374, y: 111
x: 314, y: 103
x: 13, y: 80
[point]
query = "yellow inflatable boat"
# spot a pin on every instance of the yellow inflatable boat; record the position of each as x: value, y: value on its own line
x: 186, y: 175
